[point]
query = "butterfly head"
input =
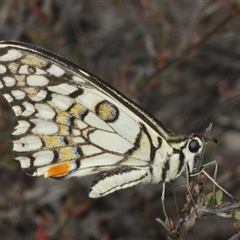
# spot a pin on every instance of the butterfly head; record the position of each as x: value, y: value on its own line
x: 193, y: 148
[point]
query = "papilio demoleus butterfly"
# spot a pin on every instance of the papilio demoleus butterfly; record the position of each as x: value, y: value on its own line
x: 71, y: 124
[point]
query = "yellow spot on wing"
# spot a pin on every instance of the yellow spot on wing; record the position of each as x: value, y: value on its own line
x: 52, y: 141
x: 76, y: 109
x: 62, y: 117
x: 13, y: 67
x: 66, y: 154
x: 63, y: 130
x: 21, y: 80
x: 59, y: 170
x: 105, y: 112
x: 31, y: 91
x: 34, y: 61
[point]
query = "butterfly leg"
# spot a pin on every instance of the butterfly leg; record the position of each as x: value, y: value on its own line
x: 188, y: 175
x: 167, y: 220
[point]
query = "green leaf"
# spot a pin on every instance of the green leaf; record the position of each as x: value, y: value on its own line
x: 219, y: 195
x: 237, y: 214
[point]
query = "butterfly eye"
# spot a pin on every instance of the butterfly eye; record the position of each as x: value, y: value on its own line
x: 193, y: 146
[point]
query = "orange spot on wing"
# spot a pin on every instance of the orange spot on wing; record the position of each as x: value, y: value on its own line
x: 59, y: 170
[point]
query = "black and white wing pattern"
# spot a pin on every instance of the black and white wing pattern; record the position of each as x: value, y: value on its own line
x: 70, y: 123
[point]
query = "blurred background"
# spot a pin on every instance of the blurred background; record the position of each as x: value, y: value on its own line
x: 176, y: 59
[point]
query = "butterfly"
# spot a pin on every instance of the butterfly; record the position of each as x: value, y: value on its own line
x: 72, y: 124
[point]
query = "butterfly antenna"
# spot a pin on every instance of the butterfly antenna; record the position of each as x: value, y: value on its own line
x: 215, y: 109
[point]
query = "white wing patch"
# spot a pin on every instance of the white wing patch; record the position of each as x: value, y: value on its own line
x: 18, y: 95
x: 94, y: 121
x: 110, y: 141
x: 29, y: 109
x: 78, y: 79
x: 55, y: 70
x: 37, y: 81
x: 26, y: 144
x: 43, y: 157
x: 8, y: 97
x: 60, y: 102
x: 9, y: 81
x: 44, y: 127
x: 11, y: 55
x: 44, y: 111
x: 21, y: 128
x: 63, y: 88
x: 24, y: 161
x: 89, y: 99
x: 129, y: 130
x: 3, y: 69
x: 17, y: 110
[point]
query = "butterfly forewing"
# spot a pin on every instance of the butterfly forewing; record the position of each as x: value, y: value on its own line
x: 70, y: 123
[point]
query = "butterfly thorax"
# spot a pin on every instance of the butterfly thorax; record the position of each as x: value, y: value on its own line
x: 182, y: 153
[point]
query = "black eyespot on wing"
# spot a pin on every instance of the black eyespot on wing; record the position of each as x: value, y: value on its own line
x: 107, y: 111
x: 194, y: 146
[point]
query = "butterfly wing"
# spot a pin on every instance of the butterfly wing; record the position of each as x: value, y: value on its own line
x: 70, y: 123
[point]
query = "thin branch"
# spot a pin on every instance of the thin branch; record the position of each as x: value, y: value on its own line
x: 198, y: 212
